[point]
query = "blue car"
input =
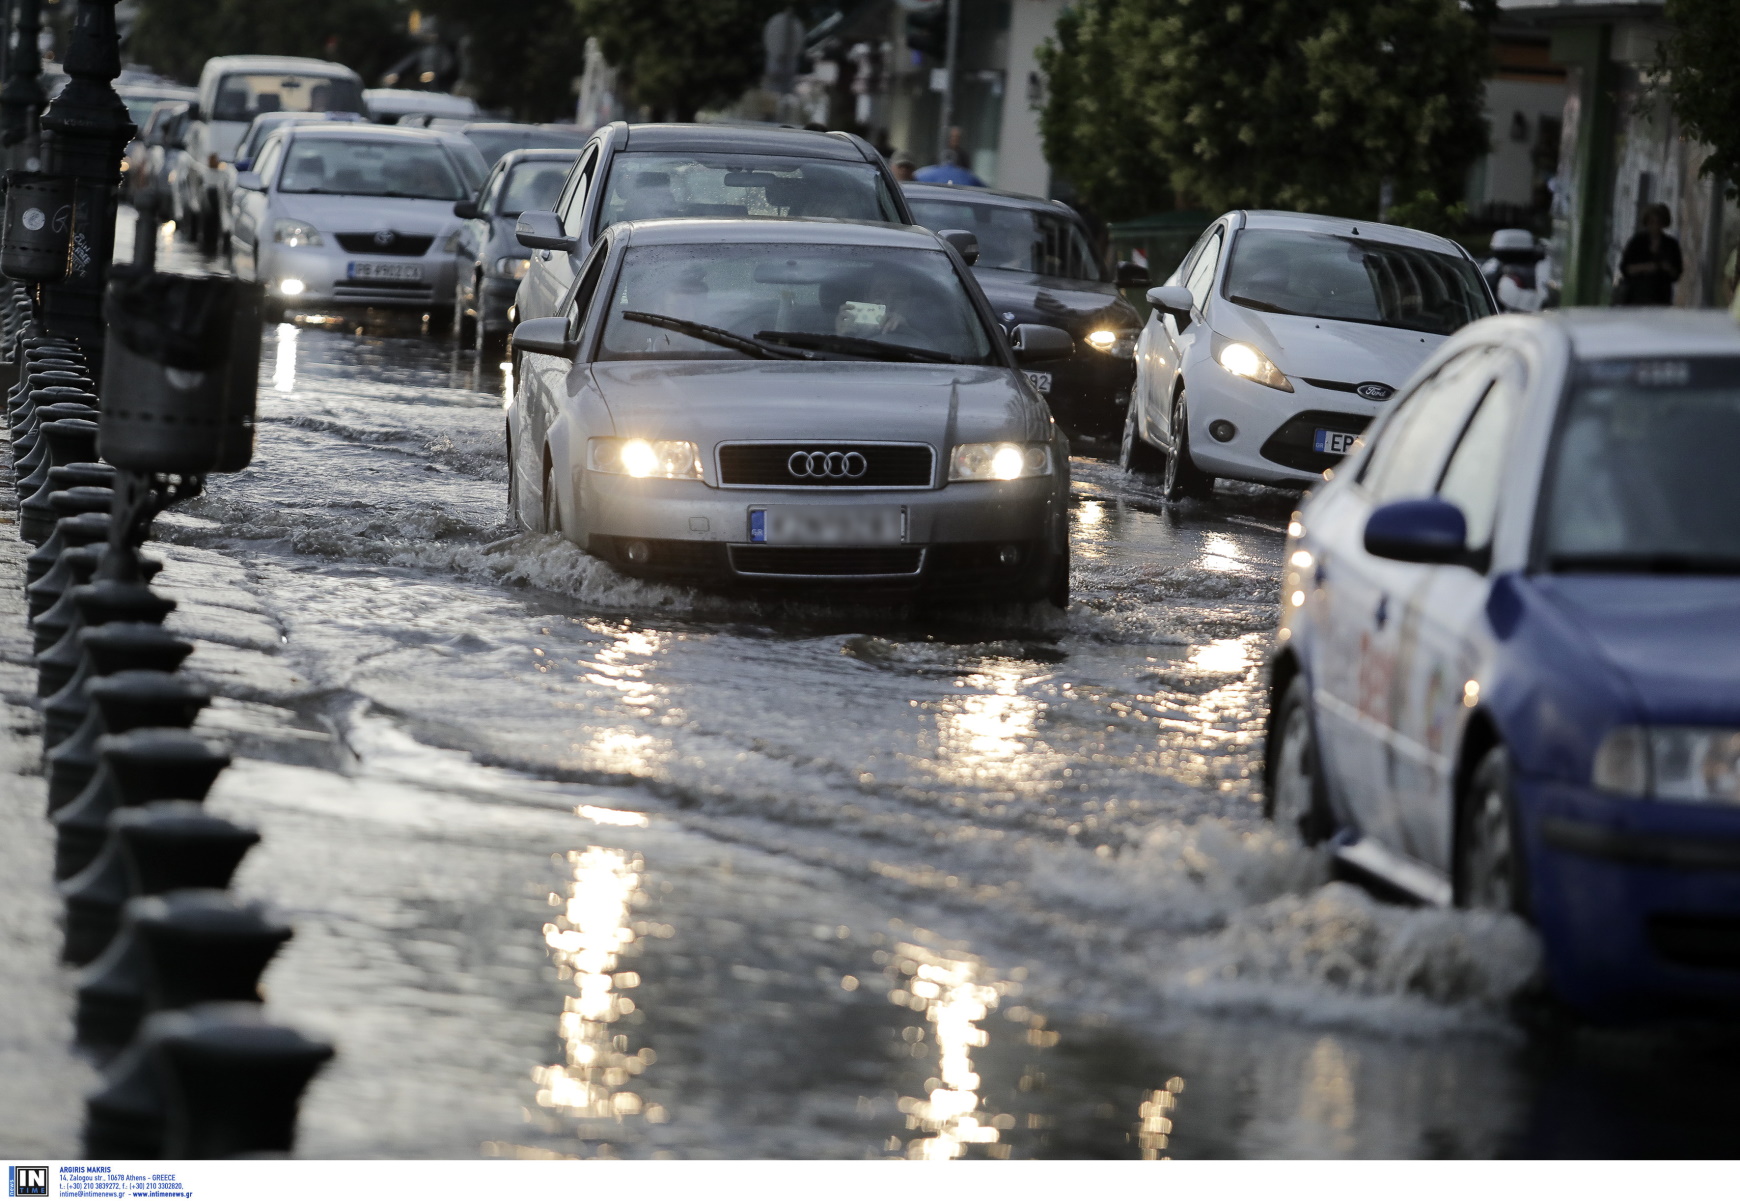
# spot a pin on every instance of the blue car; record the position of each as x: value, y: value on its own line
x: 1507, y: 674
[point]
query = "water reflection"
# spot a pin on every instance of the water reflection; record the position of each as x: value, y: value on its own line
x: 284, y: 366
x: 1220, y: 553
x: 1154, y: 1130
x: 588, y: 942
x: 945, y: 989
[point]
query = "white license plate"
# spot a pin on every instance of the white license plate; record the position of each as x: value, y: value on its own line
x: 1334, y: 442
x: 402, y: 272
x: 829, y: 525
x: 1041, y: 381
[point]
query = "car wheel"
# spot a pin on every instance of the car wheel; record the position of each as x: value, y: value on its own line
x: 462, y: 320
x: 1136, y: 454
x: 210, y: 227
x: 1183, y: 478
x: 513, y: 483
x: 1489, y: 869
x: 1297, y: 797
x: 272, y: 312
x: 552, y: 508
x: 439, y: 320
x: 1057, y: 590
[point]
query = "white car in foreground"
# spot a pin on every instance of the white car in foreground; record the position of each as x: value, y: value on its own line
x: 1280, y: 337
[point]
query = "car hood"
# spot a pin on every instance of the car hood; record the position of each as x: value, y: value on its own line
x: 361, y: 214
x: 1675, y: 639
x: 712, y: 402
x: 1348, y: 352
x: 1072, y: 304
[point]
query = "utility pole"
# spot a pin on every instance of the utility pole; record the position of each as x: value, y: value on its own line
x: 948, y: 93
x: 86, y: 131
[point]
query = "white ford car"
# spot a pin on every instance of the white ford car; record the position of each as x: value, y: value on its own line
x: 1280, y: 337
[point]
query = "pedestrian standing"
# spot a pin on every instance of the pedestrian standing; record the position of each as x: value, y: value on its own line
x: 1651, y: 263
x: 904, y: 166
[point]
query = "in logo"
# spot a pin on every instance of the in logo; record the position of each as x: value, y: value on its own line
x: 1375, y: 391
x: 27, y: 1182
x: 385, y: 238
x: 832, y: 464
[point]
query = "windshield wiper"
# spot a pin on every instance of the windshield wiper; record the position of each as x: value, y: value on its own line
x: 843, y: 344
x: 1251, y: 302
x: 712, y: 333
x: 1647, y: 563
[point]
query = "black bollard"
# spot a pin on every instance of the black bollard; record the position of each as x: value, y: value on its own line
x: 35, y: 376
x: 28, y: 449
x: 76, y: 567
x: 98, y: 603
x: 234, y: 1082
x: 134, y: 768
x: 45, y: 388
x: 66, y: 440
x: 128, y: 700
x: 151, y: 849
x: 36, y: 516
x: 108, y: 649
x: 83, y: 530
x: 172, y: 951
x: 125, y: 1116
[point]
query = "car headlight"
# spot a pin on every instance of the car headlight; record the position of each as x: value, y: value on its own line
x: 1246, y: 361
x: 512, y: 267
x: 999, y: 461
x: 1119, y: 343
x: 296, y: 233
x: 1670, y: 763
x: 644, y: 459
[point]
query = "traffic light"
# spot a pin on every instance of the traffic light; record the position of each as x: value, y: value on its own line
x: 926, y: 29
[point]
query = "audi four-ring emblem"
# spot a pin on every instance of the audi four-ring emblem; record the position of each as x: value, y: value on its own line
x: 827, y: 464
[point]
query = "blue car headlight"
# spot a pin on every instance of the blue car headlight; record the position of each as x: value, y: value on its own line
x: 1671, y: 763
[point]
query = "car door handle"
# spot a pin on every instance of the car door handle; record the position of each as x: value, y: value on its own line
x: 1382, y: 616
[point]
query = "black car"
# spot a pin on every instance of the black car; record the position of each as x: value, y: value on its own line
x: 1037, y: 265
x: 495, y: 138
x: 491, y: 260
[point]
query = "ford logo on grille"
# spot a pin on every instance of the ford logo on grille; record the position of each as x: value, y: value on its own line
x: 827, y: 464
x: 385, y: 238
x: 1375, y: 391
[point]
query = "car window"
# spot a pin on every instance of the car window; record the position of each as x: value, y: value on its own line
x: 493, y: 143
x: 533, y: 186
x: 868, y: 303
x: 1412, y: 447
x: 244, y: 96
x: 270, y: 155
x: 1642, y: 476
x: 1201, y: 277
x: 1013, y: 238
x: 646, y: 186
x: 416, y: 170
x: 574, y: 212
x: 584, y: 288
x: 1473, y: 478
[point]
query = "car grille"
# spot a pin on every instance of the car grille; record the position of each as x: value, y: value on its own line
x: 1335, y: 385
x: 408, y: 245
x: 387, y: 291
x: 768, y: 465
x: 1294, y: 444
x: 827, y: 560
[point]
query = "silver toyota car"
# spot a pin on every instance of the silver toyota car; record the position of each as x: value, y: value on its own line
x: 792, y: 404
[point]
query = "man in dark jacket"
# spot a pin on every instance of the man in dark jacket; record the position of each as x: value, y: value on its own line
x: 1651, y: 263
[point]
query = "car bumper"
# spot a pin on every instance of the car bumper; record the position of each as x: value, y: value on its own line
x: 1274, y: 430
x: 325, y: 274
x: 1089, y: 389
x: 1638, y: 902
x: 978, y: 538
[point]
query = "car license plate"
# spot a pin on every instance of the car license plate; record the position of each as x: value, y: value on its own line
x: 829, y: 525
x: 1041, y: 381
x: 401, y: 272
x: 1334, y: 442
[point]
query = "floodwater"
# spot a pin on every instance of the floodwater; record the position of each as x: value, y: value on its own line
x: 584, y: 866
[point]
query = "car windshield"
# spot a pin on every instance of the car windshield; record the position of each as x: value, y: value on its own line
x: 1012, y: 238
x: 364, y: 168
x: 244, y: 97
x: 533, y: 185
x: 493, y: 143
x: 644, y: 186
x: 1354, y: 279
x: 792, y: 302
x: 1643, y: 474
x: 139, y: 108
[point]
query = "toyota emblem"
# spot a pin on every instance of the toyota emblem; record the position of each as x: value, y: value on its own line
x: 1375, y: 391
x: 385, y: 238
x: 827, y: 464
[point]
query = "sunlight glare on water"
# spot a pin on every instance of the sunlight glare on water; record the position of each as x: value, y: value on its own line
x: 284, y: 367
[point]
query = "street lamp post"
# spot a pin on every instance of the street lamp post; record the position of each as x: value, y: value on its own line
x: 86, y: 130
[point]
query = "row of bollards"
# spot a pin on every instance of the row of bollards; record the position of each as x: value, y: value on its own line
x: 168, y: 992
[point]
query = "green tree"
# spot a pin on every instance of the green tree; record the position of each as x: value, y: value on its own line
x: 1703, y: 79
x: 520, y: 57
x: 678, y: 56
x: 175, y: 37
x: 1294, y: 104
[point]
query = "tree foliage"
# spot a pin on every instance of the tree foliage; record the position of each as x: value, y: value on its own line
x: 1293, y: 104
x: 1703, y: 79
x: 175, y: 37
x: 678, y: 56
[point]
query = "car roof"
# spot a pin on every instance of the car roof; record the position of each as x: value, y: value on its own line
x: 820, y: 231
x: 565, y: 154
x: 1639, y: 332
x: 939, y: 191
x: 161, y: 91
x: 740, y: 139
x: 1375, y: 231
x: 275, y: 62
x: 368, y: 131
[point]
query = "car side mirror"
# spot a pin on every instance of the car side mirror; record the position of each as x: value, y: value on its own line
x: 244, y: 164
x: 466, y: 209
x: 250, y: 181
x: 544, y: 335
x: 1133, y: 275
x: 541, y: 229
x: 1419, y: 531
x: 1175, y: 300
x: 1041, y: 343
x: 965, y: 242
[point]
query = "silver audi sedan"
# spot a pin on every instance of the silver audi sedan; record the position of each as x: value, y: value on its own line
x: 792, y: 404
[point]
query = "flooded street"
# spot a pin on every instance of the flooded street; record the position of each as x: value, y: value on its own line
x: 585, y: 866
